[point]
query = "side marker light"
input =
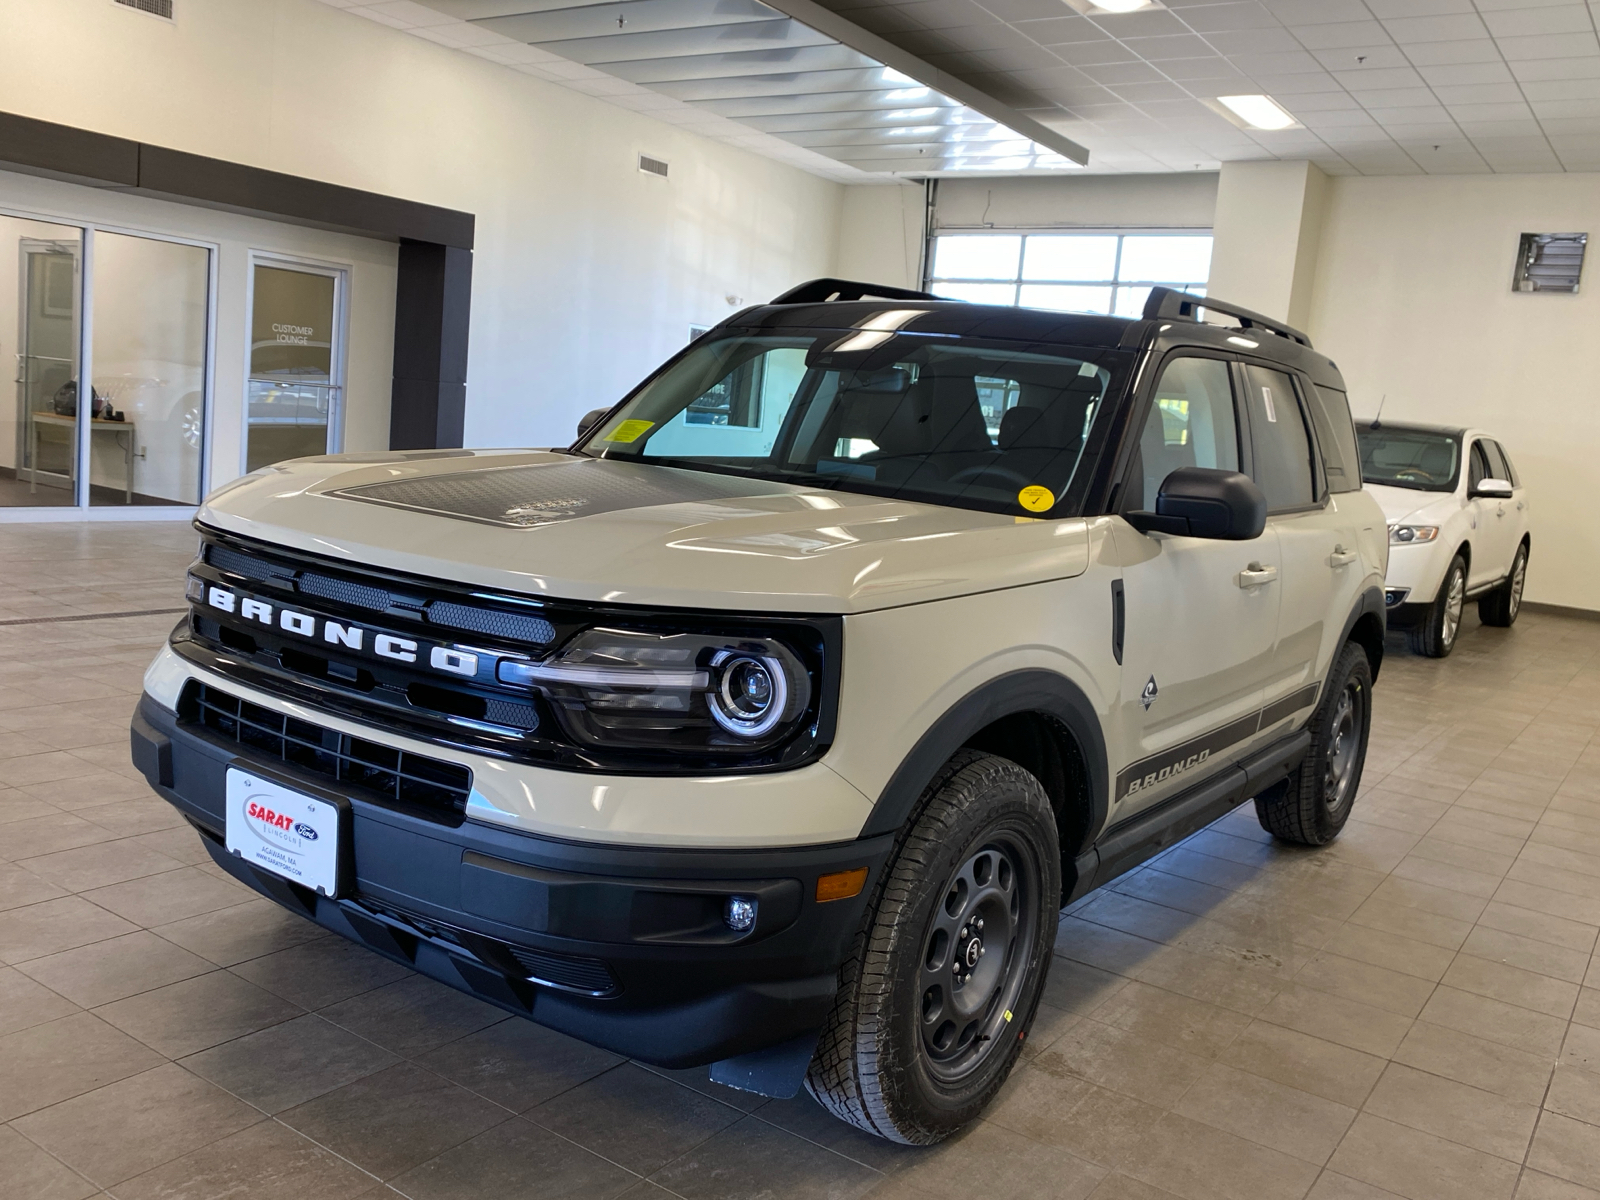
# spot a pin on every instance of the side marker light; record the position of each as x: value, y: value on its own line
x: 841, y: 885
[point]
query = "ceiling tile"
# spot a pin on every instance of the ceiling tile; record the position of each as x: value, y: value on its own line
x: 1395, y: 97
x: 1561, y: 89
x: 1438, y: 53
x: 1550, y: 110
x: 1337, y: 35
x: 1383, y: 77
x: 1275, y: 64
x: 1298, y: 84
x: 1023, y: 10
x: 1142, y: 93
x: 1162, y: 49
x: 1387, y: 9
x: 1205, y: 71
x: 1489, y: 112
x: 1454, y: 27
x: 1479, y: 93
x: 1152, y: 22
x: 1458, y: 74
x: 1084, y: 54
x: 1253, y: 41
x: 1363, y: 58
x: 1558, y: 68
x: 1493, y: 130
x: 1526, y: 19
x: 1218, y: 18
x: 1062, y: 29
x: 1115, y: 73
x: 1317, y: 12
x: 1410, y: 114
x: 1549, y: 45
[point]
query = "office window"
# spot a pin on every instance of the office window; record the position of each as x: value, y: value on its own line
x: 1106, y: 273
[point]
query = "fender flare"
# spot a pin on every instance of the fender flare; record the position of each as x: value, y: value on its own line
x: 1370, y: 601
x: 1031, y: 690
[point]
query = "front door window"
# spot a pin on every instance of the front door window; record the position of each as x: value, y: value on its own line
x: 295, y: 359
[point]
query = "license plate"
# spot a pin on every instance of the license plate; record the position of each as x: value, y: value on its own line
x: 283, y: 831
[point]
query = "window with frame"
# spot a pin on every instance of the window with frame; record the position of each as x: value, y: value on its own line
x: 1105, y: 273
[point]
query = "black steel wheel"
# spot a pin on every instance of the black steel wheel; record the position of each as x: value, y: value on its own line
x: 1312, y: 805
x: 942, y: 984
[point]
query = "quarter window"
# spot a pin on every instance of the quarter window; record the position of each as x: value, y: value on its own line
x: 1282, y: 445
x: 1191, y: 423
x: 1478, y: 471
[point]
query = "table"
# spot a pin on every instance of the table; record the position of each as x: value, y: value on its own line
x: 96, y: 425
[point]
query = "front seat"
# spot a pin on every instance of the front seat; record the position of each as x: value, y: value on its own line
x: 935, y: 431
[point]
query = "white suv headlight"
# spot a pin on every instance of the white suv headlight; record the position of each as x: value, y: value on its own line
x: 1409, y: 535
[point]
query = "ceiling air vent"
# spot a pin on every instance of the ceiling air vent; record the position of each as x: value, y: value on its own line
x: 653, y: 166
x: 1549, y: 262
x: 156, y: 8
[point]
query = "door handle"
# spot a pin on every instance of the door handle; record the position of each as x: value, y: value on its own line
x: 1255, y: 575
x: 1342, y: 557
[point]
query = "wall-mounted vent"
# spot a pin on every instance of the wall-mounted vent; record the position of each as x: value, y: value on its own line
x: 156, y: 8
x: 653, y: 166
x: 1549, y: 262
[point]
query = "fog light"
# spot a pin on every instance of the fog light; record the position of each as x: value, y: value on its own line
x: 739, y: 913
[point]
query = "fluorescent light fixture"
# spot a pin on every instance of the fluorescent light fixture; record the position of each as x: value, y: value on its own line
x: 1258, y: 112
x: 1121, y: 6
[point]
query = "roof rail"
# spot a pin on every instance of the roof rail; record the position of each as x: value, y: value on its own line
x: 818, y: 291
x: 1168, y: 303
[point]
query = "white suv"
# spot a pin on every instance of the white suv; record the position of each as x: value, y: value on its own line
x: 772, y: 723
x: 1458, y: 527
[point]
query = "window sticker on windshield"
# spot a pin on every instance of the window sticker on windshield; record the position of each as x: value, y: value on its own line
x: 628, y: 431
x: 1266, y: 397
x: 1036, y: 499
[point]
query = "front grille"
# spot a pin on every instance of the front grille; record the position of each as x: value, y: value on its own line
x: 342, y: 591
x: 514, y: 626
x: 565, y: 970
x: 247, y: 565
x: 427, y: 786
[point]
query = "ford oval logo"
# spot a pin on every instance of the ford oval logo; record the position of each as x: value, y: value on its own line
x: 305, y: 831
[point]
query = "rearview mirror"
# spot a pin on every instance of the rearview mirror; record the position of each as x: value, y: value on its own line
x: 1493, y: 489
x: 1205, y: 503
x: 590, y: 419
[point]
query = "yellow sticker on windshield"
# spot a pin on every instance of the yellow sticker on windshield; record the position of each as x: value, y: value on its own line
x: 1036, y: 498
x: 628, y: 431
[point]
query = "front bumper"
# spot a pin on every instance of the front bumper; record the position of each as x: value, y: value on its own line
x: 620, y: 946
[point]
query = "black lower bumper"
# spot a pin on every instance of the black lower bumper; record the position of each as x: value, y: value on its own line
x: 623, y: 947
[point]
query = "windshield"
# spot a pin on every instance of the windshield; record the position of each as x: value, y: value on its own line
x: 1409, y: 458
x: 918, y: 417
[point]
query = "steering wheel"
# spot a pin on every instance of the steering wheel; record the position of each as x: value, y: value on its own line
x: 968, y: 474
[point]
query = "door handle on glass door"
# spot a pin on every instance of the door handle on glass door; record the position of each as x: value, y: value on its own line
x: 1255, y: 575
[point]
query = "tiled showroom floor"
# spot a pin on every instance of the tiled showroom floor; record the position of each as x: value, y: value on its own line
x: 1403, y: 1013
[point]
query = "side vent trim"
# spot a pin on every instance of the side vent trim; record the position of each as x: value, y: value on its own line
x: 648, y: 165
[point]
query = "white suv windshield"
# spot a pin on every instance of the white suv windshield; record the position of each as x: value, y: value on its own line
x: 925, y: 418
x: 1409, y: 458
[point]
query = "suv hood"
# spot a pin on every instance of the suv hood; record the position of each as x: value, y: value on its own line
x: 542, y: 523
x: 1409, y: 506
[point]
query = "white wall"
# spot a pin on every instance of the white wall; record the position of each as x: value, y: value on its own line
x: 880, y: 234
x: 1180, y: 201
x: 586, y: 273
x: 1413, y: 299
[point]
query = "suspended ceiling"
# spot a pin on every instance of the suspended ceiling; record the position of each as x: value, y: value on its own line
x: 1376, y: 86
x: 821, y: 92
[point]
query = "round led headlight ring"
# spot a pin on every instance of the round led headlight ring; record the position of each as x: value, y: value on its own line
x: 751, y: 693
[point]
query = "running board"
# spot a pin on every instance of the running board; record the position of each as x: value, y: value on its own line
x: 1144, y: 835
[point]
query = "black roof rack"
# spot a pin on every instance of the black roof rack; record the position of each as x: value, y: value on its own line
x: 819, y: 291
x: 1169, y: 303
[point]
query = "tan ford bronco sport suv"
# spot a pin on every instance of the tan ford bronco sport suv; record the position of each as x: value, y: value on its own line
x: 770, y: 725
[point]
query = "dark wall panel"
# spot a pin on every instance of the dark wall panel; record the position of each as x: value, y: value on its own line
x: 433, y: 303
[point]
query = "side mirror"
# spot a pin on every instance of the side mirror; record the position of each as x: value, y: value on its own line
x: 590, y: 419
x: 1493, y: 489
x: 1206, y: 503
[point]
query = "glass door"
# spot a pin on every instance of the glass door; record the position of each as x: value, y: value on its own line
x: 146, y: 429
x: 39, y: 458
x: 296, y: 363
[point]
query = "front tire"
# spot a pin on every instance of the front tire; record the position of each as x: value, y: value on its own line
x: 1500, y: 607
x: 943, y: 981
x: 1436, y: 635
x: 1313, y: 804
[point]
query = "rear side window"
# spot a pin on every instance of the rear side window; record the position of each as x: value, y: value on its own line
x: 1282, y: 445
x: 1336, y: 436
x: 1190, y: 424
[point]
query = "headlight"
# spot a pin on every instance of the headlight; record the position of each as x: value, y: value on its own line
x: 1409, y: 535
x: 685, y: 691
